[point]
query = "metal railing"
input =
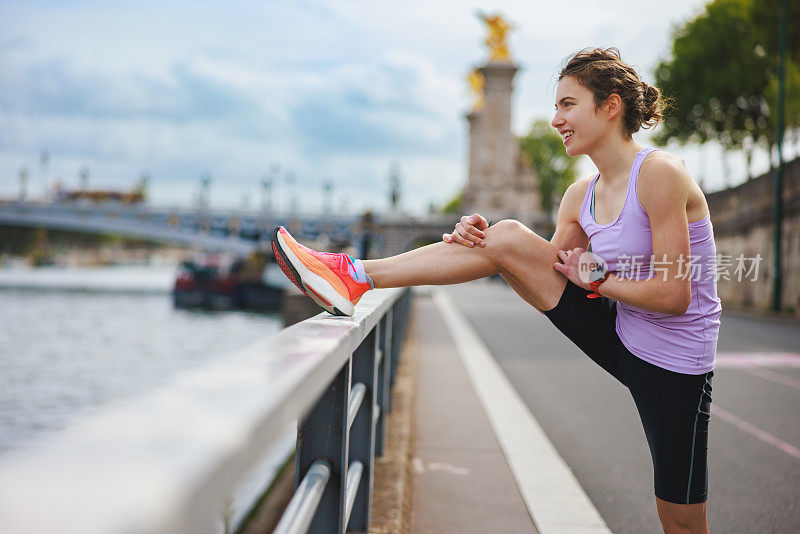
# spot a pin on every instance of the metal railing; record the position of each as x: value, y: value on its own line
x: 169, y: 461
x: 340, y: 437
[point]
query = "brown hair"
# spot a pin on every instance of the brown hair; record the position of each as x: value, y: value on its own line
x: 602, y: 71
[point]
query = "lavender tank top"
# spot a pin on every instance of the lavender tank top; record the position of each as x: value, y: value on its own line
x: 682, y: 343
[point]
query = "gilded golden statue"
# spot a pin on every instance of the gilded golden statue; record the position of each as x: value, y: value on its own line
x: 496, y: 41
x: 476, y: 81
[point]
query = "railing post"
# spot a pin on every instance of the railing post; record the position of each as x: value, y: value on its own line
x: 388, y: 342
x: 406, y: 310
x: 397, y: 318
x: 362, y: 431
x: 323, y: 434
x: 381, y: 387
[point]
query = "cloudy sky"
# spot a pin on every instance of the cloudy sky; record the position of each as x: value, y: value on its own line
x: 316, y: 90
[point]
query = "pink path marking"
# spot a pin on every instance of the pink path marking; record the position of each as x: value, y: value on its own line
x: 753, y: 430
x: 768, y: 359
x: 772, y: 375
x: 754, y: 362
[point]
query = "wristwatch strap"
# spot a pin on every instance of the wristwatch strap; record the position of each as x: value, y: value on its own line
x: 595, y: 285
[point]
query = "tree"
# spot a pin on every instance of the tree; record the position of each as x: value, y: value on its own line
x: 722, y: 76
x: 453, y: 206
x: 765, y: 18
x: 791, y: 100
x: 543, y: 150
x: 716, y: 77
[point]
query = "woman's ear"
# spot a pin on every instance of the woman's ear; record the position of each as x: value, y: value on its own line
x: 613, y: 105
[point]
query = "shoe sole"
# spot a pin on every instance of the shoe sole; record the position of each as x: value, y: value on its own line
x: 314, y: 286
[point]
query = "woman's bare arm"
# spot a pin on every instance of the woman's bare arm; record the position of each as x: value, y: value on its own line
x: 569, y: 233
x: 664, y: 186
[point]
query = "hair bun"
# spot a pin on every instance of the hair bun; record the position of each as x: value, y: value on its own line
x: 651, y: 96
x: 650, y: 93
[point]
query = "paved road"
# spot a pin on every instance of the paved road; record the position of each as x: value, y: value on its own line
x: 754, y: 462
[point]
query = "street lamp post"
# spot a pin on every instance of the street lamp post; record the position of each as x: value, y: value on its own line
x: 266, y: 194
x: 84, y: 178
x: 289, y: 177
x: 23, y: 183
x: 327, y: 193
x: 205, y: 187
x: 777, y: 279
x: 275, y: 178
x: 44, y: 159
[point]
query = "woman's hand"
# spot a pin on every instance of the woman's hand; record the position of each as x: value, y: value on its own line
x: 468, y: 231
x: 570, y: 266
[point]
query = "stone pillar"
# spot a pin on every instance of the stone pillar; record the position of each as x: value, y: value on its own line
x: 493, y: 152
x: 476, y: 150
x: 498, y: 87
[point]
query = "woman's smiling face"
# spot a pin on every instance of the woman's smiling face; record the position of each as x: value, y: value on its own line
x: 576, y: 117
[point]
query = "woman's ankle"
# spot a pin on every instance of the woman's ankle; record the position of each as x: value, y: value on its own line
x: 370, y: 271
x: 361, y: 273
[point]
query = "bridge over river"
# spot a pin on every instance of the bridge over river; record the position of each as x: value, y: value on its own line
x: 224, y: 231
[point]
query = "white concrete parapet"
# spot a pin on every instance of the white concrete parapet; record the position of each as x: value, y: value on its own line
x: 166, y: 462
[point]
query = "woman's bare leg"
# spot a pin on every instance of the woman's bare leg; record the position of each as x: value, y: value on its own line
x: 523, y: 258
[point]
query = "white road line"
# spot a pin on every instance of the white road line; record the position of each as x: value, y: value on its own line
x: 419, y: 465
x: 555, y: 500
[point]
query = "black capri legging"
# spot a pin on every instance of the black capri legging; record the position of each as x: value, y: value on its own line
x: 674, y: 407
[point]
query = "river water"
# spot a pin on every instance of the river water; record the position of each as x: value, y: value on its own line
x: 73, y: 340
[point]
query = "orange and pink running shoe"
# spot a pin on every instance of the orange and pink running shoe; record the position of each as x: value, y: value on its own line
x: 329, y: 279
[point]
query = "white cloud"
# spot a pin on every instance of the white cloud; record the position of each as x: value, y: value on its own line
x: 328, y: 89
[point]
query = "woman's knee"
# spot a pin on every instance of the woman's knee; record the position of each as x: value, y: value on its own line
x: 510, y: 235
x: 525, y: 260
x: 679, y: 518
x: 506, y: 233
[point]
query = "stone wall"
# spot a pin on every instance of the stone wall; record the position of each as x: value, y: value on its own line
x: 743, y: 224
x: 400, y: 234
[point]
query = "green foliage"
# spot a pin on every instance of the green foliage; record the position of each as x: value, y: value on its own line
x: 454, y: 205
x: 543, y: 150
x: 717, y: 79
x: 792, y: 94
x: 765, y: 18
x: 722, y: 75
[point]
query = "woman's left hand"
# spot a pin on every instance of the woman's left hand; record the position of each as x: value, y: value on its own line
x: 570, y: 266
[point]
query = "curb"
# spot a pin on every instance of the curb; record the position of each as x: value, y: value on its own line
x: 393, y: 475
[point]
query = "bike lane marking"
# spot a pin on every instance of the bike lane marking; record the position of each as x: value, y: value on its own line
x: 555, y: 499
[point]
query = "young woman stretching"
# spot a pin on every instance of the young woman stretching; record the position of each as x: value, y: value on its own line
x: 649, y: 222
